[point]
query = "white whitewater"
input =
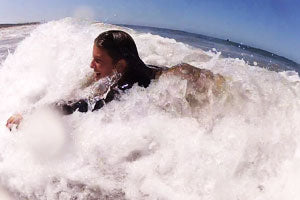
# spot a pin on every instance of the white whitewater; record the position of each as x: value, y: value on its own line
x: 151, y: 144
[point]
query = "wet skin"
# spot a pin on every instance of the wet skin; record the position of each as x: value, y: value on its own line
x: 102, y: 64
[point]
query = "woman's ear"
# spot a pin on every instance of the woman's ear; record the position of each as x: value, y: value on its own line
x: 121, y: 66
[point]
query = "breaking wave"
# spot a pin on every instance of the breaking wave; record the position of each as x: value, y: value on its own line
x: 153, y: 143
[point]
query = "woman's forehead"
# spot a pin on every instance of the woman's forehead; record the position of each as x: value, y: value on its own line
x: 100, y: 52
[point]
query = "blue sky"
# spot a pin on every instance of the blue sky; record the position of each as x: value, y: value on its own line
x: 273, y: 25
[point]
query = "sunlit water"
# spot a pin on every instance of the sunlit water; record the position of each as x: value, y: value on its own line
x: 152, y: 144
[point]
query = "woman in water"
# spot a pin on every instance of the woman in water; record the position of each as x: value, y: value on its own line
x: 117, y: 67
x: 116, y: 60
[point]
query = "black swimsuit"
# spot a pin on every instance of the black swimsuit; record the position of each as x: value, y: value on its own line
x: 129, y: 78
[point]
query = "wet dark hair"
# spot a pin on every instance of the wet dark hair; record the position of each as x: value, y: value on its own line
x: 120, y: 45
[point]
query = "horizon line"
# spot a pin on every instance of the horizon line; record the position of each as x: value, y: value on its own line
x: 6, y: 25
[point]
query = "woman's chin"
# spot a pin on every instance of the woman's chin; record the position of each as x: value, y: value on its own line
x: 97, y: 76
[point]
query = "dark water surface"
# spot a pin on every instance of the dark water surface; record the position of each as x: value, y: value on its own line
x: 228, y: 48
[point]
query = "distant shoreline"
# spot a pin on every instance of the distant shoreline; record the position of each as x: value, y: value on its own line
x: 228, y: 42
x: 18, y: 24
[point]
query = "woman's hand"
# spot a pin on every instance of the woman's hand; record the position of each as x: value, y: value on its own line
x: 14, y: 120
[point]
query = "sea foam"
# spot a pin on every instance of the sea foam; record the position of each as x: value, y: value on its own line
x: 151, y: 144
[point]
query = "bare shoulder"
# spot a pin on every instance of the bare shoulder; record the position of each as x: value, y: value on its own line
x: 190, y: 72
x: 198, y: 78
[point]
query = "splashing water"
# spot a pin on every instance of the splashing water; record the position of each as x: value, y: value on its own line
x: 152, y: 144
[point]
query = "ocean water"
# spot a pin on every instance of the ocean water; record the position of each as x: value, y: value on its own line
x: 228, y: 49
x: 10, y: 37
x: 152, y: 144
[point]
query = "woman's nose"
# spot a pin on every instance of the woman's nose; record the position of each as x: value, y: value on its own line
x: 92, y: 64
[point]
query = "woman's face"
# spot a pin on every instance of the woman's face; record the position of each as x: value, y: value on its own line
x: 102, y: 63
